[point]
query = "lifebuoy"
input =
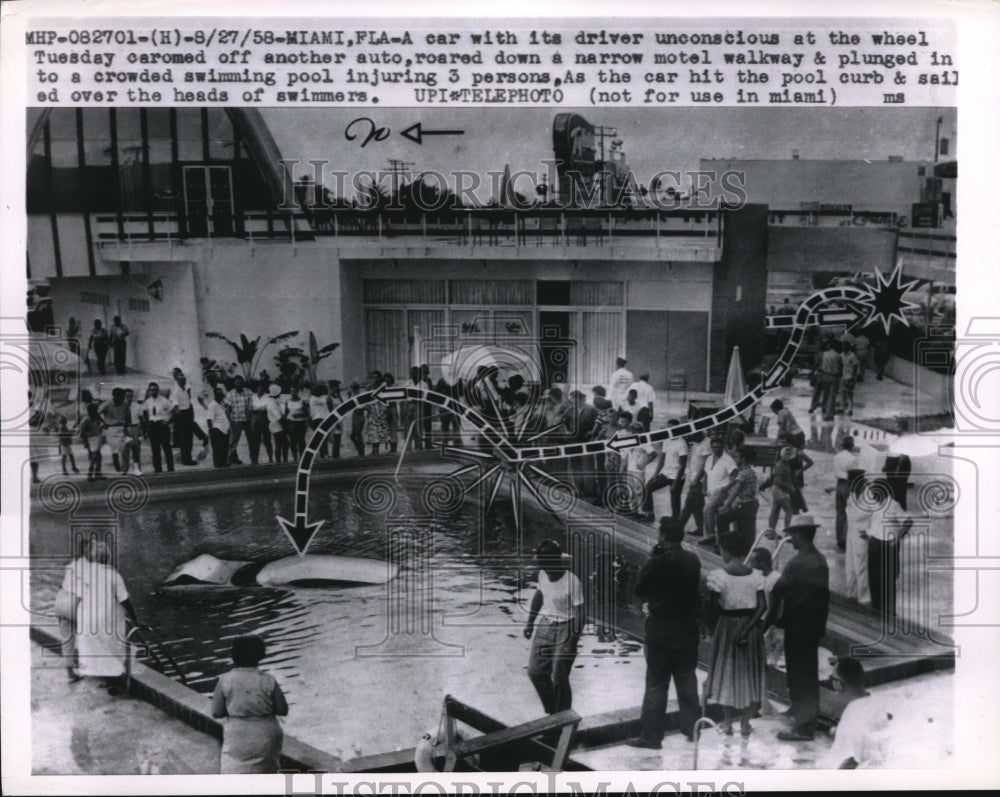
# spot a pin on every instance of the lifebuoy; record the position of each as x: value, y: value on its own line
x: 430, y: 747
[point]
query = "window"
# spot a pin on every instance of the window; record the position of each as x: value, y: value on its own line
x: 553, y: 292
x: 404, y: 291
x: 580, y: 293
x: 220, y: 135
x: 189, y: 141
x: 491, y: 292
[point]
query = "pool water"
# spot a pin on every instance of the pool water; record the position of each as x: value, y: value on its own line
x: 364, y: 668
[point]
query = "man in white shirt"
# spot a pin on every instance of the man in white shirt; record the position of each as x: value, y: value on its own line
x: 694, y: 502
x: 720, y: 468
x: 620, y: 382
x: 845, y: 461
x: 184, y: 428
x: 864, y: 727
x: 157, y: 412
x: 557, y: 606
x: 644, y: 393
x: 218, y: 429
x: 671, y: 463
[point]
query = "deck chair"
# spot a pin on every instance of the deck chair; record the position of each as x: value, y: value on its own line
x: 677, y: 380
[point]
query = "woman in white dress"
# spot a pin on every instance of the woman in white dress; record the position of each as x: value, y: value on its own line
x: 102, y: 608
x: 736, y: 664
x: 856, y: 552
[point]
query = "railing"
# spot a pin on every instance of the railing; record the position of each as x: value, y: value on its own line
x: 933, y: 244
x: 834, y: 218
x: 465, y: 227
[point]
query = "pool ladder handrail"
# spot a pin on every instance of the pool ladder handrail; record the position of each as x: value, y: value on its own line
x: 696, y: 733
x: 146, y: 636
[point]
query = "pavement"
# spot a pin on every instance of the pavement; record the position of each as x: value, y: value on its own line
x: 79, y: 729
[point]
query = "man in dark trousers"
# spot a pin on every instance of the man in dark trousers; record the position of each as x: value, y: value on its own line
x: 118, y: 335
x: 669, y: 583
x: 184, y: 425
x: 558, y: 608
x: 802, y: 598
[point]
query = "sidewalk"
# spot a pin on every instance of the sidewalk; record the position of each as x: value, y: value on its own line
x: 79, y: 729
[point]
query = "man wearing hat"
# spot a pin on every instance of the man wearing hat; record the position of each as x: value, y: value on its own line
x: 801, y: 596
x: 557, y: 605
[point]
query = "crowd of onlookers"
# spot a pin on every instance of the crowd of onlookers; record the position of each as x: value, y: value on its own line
x: 840, y: 367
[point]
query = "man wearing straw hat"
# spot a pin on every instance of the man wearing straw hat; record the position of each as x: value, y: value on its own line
x: 801, y: 596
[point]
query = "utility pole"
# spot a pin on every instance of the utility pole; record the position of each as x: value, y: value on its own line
x: 604, y: 132
x: 397, y: 169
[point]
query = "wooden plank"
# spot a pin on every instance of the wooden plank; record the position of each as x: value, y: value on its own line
x: 476, y: 719
x: 516, y: 733
x: 395, y: 761
x: 562, y: 749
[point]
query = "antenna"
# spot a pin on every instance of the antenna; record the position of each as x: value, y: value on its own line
x: 397, y: 169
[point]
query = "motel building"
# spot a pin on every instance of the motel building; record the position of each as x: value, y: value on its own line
x: 851, y: 217
x: 172, y: 219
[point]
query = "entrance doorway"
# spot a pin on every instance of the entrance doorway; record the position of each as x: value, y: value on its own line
x: 661, y: 342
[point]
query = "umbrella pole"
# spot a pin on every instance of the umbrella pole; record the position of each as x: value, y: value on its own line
x: 406, y: 446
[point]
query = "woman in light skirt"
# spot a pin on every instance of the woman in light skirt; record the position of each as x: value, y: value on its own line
x: 251, y: 701
x: 736, y: 665
x: 100, y: 609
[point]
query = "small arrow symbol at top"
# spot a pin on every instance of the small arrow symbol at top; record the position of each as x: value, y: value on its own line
x: 842, y: 315
x: 416, y: 133
x: 300, y: 532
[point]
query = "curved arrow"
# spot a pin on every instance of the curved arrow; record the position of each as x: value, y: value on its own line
x: 808, y: 314
x: 299, y: 530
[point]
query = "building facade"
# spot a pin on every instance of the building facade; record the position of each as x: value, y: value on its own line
x: 178, y: 221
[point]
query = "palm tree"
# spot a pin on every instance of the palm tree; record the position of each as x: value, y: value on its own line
x: 249, y: 352
x: 316, y: 354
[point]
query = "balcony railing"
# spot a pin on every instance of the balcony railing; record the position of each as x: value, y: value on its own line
x: 834, y: 218
x: 932, y: 244
x: 467, y: 227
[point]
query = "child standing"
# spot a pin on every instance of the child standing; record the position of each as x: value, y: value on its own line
x: 66, y: 445
x: 736, y: 664
x: 774, y: 639
x: 92, y: 435
x: 252, y: 701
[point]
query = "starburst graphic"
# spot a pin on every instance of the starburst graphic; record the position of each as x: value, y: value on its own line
x: 495, y: 470
x: 886, y: 301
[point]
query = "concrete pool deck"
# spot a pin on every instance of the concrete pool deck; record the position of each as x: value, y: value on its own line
x: 79, y: 729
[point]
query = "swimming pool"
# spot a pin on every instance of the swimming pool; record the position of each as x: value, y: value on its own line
x: 361, y: 678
